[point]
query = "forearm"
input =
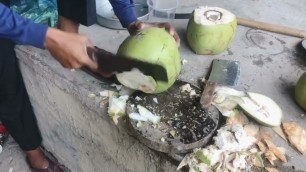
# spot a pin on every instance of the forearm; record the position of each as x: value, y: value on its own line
x: 125, y: 11
x: 21, y: 30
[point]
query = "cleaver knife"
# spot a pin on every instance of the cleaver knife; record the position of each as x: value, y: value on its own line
x: 110, y: 63
x: 223, y: 72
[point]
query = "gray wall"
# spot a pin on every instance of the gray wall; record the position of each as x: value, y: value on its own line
x: 74, y: 127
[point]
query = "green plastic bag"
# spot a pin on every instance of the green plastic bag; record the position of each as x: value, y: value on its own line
x: 40, y: 11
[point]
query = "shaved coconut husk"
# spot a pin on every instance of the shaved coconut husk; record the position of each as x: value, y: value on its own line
x: 280, y: 132
x: 268, y: 169
x: 152, y: 45
x: 233, y: 139
x: 264, y: 133
x: 210, y: 30
x: 239, y: 162
x: 282, y: 149
x: 126, y: 91
x: 237, y: 118
x: 275, y: 150
x: 270, y: 156
x: 262, y: 109
x: 137, y: 117
x: 262, y: 147
x: 251, y: 130
x: 296, y: 135
x: 144, y: 112
x: 226, y: 99
x: 117, y: 105
x: 136, y: 80
x: 256, y: 160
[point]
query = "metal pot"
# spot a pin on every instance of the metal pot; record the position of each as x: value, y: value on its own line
x: 107, y: 18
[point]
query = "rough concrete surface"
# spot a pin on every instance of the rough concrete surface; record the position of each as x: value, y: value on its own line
x: 80, y: 135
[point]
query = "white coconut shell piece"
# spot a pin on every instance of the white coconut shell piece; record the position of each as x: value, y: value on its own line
x: 296, y: 135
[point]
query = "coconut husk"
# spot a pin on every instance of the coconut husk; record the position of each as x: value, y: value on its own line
x: 280, y: 132
x: 251, y: 130
x: 270, y: 157
x: 255, y: 160
x: 265, y: 133
x: 268, y: 169
x: 275, y: 150
x: 296, y: 135
x: 237, y: 118
x: 262, y: 147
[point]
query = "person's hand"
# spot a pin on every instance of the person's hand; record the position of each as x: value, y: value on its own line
x: 139, y: 25
x: 69, y: 49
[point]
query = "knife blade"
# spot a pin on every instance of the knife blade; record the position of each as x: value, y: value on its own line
x: 110, y: 63
x: 223, y: 72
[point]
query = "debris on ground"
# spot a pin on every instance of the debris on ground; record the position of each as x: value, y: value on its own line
x: 230, y: 152
x: 280, y: 132
x: 144, y: 115
x: 237, y: 117
x: 296, y: 135
x: 118, y: 87
x: 184, y: 61
x: 91, y: 95
x: 117, y: 106
x: 241, y: 144
x: 271, y: 169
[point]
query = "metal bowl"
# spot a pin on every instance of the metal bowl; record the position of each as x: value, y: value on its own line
x: 107, y: 18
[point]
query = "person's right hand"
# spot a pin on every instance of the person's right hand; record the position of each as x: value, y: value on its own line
x: 69, y: 49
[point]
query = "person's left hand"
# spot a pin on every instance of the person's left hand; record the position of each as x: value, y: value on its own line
x: 139, y: 25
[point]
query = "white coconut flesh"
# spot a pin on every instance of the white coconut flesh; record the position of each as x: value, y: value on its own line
x: 262, y: 108
x: 212, y: 16
x: 136, y: 80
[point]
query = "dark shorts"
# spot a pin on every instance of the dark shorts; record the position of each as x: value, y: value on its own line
x: 16, y: 112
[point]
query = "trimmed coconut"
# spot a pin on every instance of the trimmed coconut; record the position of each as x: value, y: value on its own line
x: 300, y: 91
x: 210, y: 30
x: 153, y: 45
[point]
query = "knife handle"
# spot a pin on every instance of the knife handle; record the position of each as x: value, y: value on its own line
x: 208, y: 94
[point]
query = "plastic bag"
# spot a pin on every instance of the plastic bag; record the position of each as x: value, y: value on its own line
x: 40, y: 11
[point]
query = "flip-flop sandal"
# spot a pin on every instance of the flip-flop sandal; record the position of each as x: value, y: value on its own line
x: 53, y: 167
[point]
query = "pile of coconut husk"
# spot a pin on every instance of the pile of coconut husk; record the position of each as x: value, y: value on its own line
x: 243, y: 144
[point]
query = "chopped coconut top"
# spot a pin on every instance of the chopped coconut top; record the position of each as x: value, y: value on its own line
x: 136, y: 80
x: 212, y: 16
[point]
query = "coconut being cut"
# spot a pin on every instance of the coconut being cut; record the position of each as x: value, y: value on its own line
x: 155, y: 46
x: 210, y: 30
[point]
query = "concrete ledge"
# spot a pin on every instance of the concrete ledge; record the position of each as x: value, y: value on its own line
x: 74, y: 127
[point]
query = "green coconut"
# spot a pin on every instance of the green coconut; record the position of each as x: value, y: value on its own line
x: 210, y: 30
x: 300, y: 91
x: 156, y: 46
